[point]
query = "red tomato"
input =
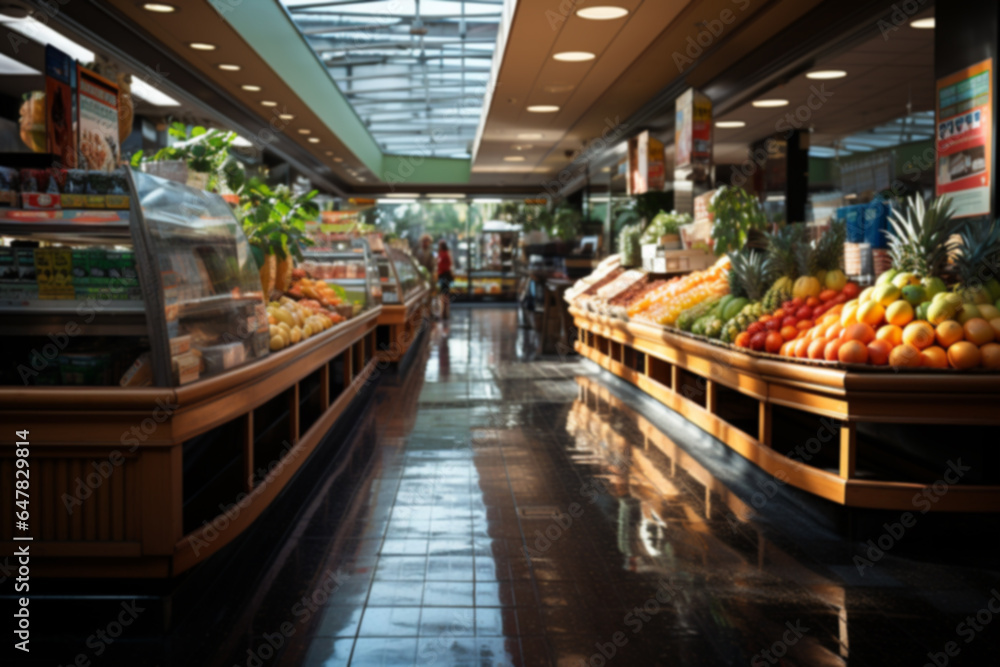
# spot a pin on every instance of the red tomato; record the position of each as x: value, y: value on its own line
x: 773, y: 324
x: 743, y: 339
x: 804, y: 325
x: 780, y: 313
x: 804, y: 313
x: 827, y: 294
x: 789, y: 332
x: 812, y: 302
x: 758, y: 341
x: 850, y: 291
x: 839, y: 299
x: 819, y: 310
x: 755, y: 328
x: 773, y: 342
x: 798, y: 302
x: 789, y: 321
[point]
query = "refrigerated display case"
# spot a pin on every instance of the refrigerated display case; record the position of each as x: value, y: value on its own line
x: 349, y: 265
x: 405, y: 297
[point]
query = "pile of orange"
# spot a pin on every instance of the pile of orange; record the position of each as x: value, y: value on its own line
x: 856, y: 336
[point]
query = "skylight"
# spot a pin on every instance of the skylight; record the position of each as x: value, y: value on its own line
x: 415, y: 71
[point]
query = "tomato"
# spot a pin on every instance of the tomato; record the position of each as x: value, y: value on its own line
x: 812, y: 302
x: 789, y: 332
x: 789, y: 321
x: 780, y: 313
x: 839, y: 299
x: 827, y: 295
x: 743, y: 339
x: 850, y: 291
x: 773, y: 324
x: 758, y: 341
x: 804, y: 325
x: 804, y: 313
x: 755, y: 328
x: 773, y: 342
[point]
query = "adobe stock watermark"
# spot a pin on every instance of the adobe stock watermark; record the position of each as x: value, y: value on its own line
x: 102, y: 638
x: 712, y: 30
x: 969, y: 629
x: 900, y: 17
x: 923, y: 501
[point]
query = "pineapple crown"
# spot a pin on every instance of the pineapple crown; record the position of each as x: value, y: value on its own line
x: 750, y: 273
x: 781, y: 249
x: 978, y: 253
x: 921, y: 241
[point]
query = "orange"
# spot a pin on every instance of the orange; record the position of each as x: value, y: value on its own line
x: 831, y: 349
x: 934, y: 357
x: 860, y: 332
x: 991, y: 356
x: 852, y: 352
x: 978, y: 331
x: 878, y: 352
x: 789, y: 332
x: 804, y: 325
x: 963, y: 355
x: 904, y: 355
x: 801, y: 348
x: 816, y: 348
x: 833, y: 331
x: 918, y: 334
x: 849, y: 314
x: 891, y: 334
x: 995, y: 323
x: 948, y: 333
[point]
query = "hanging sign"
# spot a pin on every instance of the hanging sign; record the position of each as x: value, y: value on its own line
x: 693, y: 133
x: 97, y: 121
x: 60, y: 78
x: 964, y: 138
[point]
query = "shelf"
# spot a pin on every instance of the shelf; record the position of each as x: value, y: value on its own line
x: 344, y: 281
x: 124, y: 318
x: 70, y: 307
x: 211, y: 304
x: 68, y: 226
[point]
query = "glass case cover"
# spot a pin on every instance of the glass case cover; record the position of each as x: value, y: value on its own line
x: 347, y: 264
x: 213, y: 306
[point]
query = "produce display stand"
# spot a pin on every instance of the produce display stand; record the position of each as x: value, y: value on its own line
x: 406, y: 299
x: 687, y: 375
x: 149, y: 480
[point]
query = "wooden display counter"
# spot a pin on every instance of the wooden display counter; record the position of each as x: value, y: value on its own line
x: 399, y: 326
x: 688, y: 375
x: 148, y: 482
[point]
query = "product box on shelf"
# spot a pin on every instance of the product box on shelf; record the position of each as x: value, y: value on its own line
x: 9, y: 186
x: 39, y: 189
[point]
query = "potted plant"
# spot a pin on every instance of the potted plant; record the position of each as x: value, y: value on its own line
x: 664, y: 229
x: 274, y: 221
x: 737, y: 214
x: 199, y: 157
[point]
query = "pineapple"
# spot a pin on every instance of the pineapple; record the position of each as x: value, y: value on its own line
x: 921, y: 241
x: 781, y: 247
x: 975, y: 258
x: 749, y: 276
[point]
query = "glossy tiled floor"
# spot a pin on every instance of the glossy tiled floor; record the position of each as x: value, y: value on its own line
x: 538, y: 512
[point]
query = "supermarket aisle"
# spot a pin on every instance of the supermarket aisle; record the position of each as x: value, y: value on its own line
x: 531, y: 513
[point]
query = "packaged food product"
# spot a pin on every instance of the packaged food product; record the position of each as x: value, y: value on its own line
x: 39, y: 190
x: 74, y: 189
x: 186, y: 367
x: 117, y: 196
x: 218, y: 358
x: 140, y: 373
x: 85, y: 368
x: 9, y: 185
x: 179, y: 345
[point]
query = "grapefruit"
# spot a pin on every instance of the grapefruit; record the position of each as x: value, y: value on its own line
x: 852, y: 352
x: 964, y: 355
x: 934, y: 357
x: 904, y: 355
x: 978, y: 331
x: 860, y: 332
x: 918, y: 334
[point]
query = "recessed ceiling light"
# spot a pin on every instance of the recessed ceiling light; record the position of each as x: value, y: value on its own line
x: 268, y: 103
x: 159, y: 8
x: 285, y: 116
x: 730, y: 124
x: 556, y: 88
x: 314, y: 140
x: 768, y: 104
x: 202, y: 46
x: 602, y: 13
x: 574, y: 56
x: 329, y: 152
x: 514, y: 158
x: 402, y: 195
x: 305, y: 131
x: 229, y: 67
x: 446, y: 195
x: 249, y: 87
x: 338, y: 159
x: 923, y: 24
x: 822, y: 74
x: 543, y: 108
x: 362, y: 179
x: 530, y: 135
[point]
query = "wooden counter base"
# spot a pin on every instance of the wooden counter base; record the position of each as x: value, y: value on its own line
x: 108, y: 493
x: 399, y: 326
x: 653, y: 359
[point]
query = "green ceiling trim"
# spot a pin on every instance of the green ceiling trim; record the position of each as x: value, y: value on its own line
x: 270, y: 32
x: 414, y: 169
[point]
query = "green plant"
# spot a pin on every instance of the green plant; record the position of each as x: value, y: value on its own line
x: 204, y: 151
x: 663, y: 224
x: 737, y: 213
x: 975, y: 256
x: 920, y: 241
x: 531, y: 217
x: 274, y: 220
x: 565, y: 224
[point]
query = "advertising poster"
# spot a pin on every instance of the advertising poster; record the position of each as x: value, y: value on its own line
x: 60, y: 77
x: 964, y: 138
x: 693, y: 133
x: 98, y: 121
x: 646, y: 164
x: 683, y: 127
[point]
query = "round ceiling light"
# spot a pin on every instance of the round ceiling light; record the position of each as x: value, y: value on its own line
x: 530, y: 135
x: 730, y: 124
x: 314, y: 140
x: 514, y: 158
x: 574, y: 56
x: 329, y: 152
x: 305, y: 131
x: 823, y: 74
x: 923, y: 24
x: 268, y: 103
x: 338, y: 159
x: 543, y: 108
x: 285, y: 116
x: 769, y: 104
x: 249, y: 87
x: 202, y: 46
x: 159, y: 8
x: 229, y: 68
x: 602, y: 13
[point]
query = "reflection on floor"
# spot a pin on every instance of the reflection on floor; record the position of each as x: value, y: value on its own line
x: 530, y: 513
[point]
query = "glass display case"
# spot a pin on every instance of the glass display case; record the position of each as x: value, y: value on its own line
x: 162, y: 294
x: 347, y: 264
x: 411, y: 280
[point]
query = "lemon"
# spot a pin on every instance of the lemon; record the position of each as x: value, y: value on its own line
x: 899, y: 313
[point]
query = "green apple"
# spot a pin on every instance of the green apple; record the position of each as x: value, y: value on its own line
x: 922, y: 309
x: 915, y: 294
